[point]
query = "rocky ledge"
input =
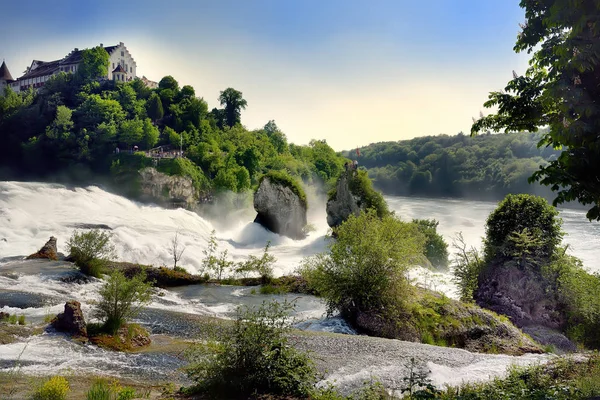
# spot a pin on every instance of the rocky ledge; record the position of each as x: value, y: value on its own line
x: 280, y: 209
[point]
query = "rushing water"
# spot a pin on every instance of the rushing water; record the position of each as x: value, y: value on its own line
x: 32, y: 212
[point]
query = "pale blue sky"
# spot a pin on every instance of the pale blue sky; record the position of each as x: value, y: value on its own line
x: 351, y: 72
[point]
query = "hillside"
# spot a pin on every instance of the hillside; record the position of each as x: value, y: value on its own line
x: 483, y: 167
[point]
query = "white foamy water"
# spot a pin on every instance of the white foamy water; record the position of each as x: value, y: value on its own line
x: 32, y: 212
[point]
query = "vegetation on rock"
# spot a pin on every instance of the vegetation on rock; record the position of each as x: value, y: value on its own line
x: 436, y: 248
x: 91, y: 250
x: 121, y: 299
x: 284, y: 179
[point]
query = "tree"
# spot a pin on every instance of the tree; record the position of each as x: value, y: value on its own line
x: 121, y: 299
x: 560, y: 90
x: 62, y: 125
x: 234, y: 103
x: 365, y: 268
x: 277, y: 138
x: 519, y: 215
x: 168, y: 82
x: 176, y: 250
x: 150, y: 134
x: 155, y: 107
x: 93, y: 65
x: 436, y: 249
x: 90, y: 250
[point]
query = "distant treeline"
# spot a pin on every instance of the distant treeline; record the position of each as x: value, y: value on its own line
x: 488, y: 166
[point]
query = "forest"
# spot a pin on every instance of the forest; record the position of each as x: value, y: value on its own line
x: 486, y: 166
x: 80, y: 126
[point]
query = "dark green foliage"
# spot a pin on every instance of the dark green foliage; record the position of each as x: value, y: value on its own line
x: 481, y: 167
x: 559, y: 90
x: 515, y: 214
x: 284, y: 179
x: 94, y: 64
x: 155, y: 107
x: 436, y: 249
x: 74, y: 127
x: 254, y: 358
x: 360, y: 185
x: 468, y: 265
x: 234, y: 102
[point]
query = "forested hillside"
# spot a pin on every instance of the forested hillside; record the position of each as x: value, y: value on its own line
x: 80, y: 126
x: 485, y: 166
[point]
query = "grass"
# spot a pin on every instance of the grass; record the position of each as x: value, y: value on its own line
x: 283, y: 178
x: 124, y: 340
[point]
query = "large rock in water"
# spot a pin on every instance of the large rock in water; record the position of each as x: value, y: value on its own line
x: 71, y: 320
x: 48, y: 251
x: 166, y: 189
x: 448, y: 322
x: 279, y: 209
x: 523, y: 295
x: 343, y: 203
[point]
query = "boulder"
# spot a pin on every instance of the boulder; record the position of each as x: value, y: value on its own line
x: 443, y: 321
x: 71, y: 320
x: 520, y: 293
x: 166, y: 189
x: 342, y: 203
x: 48, y: 251
x: 279, y: 209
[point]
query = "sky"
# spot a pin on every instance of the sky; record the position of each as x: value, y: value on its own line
x: 347, y: 71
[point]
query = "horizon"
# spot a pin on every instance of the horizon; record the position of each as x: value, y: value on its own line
x: 342, y: 72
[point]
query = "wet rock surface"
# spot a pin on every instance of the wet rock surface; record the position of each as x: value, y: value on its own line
x: 166, y: 189
x: 71, y: 320
x: 343, y: 203
x: 280, y: 210
x: 48, y: 251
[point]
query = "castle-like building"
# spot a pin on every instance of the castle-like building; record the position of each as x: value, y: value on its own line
x: 121, y: 67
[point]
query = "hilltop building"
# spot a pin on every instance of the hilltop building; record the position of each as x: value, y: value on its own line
x: 121, y: 67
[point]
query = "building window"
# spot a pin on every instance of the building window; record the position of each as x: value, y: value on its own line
x: 113, y: 65
x: 130, y: 69
x: 122, y: 53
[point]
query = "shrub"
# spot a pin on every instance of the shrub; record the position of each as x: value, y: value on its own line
x: 102, y: 390
x: 263, y: 265
x: 121, y: 299
x: 21, y: 320
x: 254, y: 358
x: 436, y: 249
x: 365, y: 267
x: 283, y: 178
x: 360, y: 185
x: 467, y: 266
x: 55, y: 388
x: 90, y: 250
x: 513, y: 215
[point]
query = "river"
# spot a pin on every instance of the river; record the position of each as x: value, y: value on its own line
x: 32, y: 212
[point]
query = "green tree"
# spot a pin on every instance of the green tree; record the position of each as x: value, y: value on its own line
x: 277, y: 138
x: 121, y: 299
x: 168, y: 82
x: 131, y: 132
x: 365, y: 268
x: 559, y: 90
x: 234, y: 103
x: 436, y: 248
x: 93, y: 65
x: 90, y: 250
x: 155, y: 107
x: 514, y: 215
x: 62, y: 125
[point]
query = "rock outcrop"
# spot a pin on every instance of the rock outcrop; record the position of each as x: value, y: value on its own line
x: 520, y: 294
x: 524, y: 296
x: 48, y: 251
x: 342, y: 203
x: 71, y: 320
x: 166, y: 189
x: 448, y: 322
x: 279, y: 209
